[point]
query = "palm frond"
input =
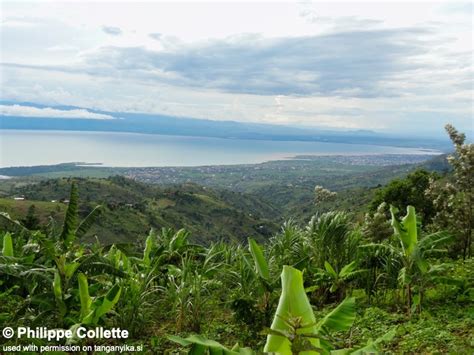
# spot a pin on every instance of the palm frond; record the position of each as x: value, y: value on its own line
x: 434, y: 240
x: 11, y: 224
x: 70, y: 220
x: 88, y: 222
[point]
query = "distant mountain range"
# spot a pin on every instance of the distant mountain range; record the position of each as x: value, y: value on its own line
x: 184, y: 126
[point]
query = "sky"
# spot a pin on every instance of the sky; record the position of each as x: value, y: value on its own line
x: 400, y: 67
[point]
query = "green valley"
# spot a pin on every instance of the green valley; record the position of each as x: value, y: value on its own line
x: 130, y: 209
x: 372, y: 258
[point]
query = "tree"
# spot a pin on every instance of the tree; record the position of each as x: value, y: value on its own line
x: 454, y: 198
x: 408, y: 191
x: 322, y: 195
x: 31, y: 220
x: 377, y: 227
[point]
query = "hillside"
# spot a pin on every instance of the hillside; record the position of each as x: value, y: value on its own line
x: 132, y: 208
x: 213, y: 202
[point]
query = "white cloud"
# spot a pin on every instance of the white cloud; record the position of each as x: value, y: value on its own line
x: 111, y: 30
x: 64, y: 48
x: 333, y: 67
x: 28, y: 111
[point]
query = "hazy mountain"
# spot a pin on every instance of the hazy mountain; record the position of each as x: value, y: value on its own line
x: 185, y: 126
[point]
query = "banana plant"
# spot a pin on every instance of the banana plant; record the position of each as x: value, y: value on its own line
x: 48, y: 265
x: 62, y: 249
x: 59, y: 296
x: 416, y: 270
x: 294, y: 329
x: 200, y: 345
x: 149, y: 244
x: 139, y: 287
x: 93, y: 310
x: 19, y: 269
x: 7, y: 249
x: 410, y: 256
x: 261, y: 264
x: 338, y: 281
x: 263, y: 294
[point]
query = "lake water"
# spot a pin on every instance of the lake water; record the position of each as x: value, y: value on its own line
x: 27, y: 148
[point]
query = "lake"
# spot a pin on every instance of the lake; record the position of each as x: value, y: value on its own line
x: 28, y: 148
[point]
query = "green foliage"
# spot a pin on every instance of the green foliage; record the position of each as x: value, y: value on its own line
x: 201, y: 345
x: 406, y: 230
x: 408, y: 191
x: 331, y: 239
x: 259, y: 259
x: 410, y: 257
x: 31, y: 220
x: 337, y: 281
x: 163, y: 287
x: 294, y: 329
x: 377, y: 226
x: 103, y: 305
x: 129, y: 209
x: 454, y: 197
x: 87, y: 223
x: 340, y: 318
x: 7, y: 249
x: 86, y: 300
x: 294, y: 322
x: 71, y: 218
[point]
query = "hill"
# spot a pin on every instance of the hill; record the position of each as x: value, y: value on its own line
x: 275, y: 191
x: 132, y: 208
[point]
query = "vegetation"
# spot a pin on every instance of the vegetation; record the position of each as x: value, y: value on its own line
x: 454, y: 198
x: 131, y: 208
x: 411, y: 190
x: 286, y: 186
x: 336, y: 284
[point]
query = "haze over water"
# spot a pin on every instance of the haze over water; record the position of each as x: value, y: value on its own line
x: 28, y: 148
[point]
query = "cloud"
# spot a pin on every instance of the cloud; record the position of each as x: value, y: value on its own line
x: 156, y: 36
x: 29, y: 111
x: 345, y: 63
x: 65, y: 48
x: 370, y: 63
x: 113, y: 31
x: 18, y: 23
x: 340, y: 22
x: 364, y: 65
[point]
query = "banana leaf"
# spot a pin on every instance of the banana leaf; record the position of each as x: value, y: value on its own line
x: 259, y: 259
x: 7, y: 245
x: 340, y: 318
x: 406, y: 230
x: 200, y: 345
x: 293, y: 305
x: 84, y: 297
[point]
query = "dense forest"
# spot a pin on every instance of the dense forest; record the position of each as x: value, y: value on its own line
x: 390, y: 271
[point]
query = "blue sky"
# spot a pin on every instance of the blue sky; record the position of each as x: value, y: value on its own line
x: 343, y: 65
